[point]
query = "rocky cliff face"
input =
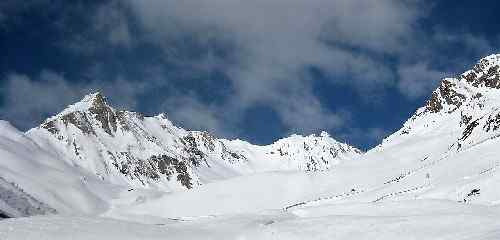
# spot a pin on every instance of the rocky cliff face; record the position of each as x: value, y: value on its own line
x: 466, y: 106
x: 129, y: 148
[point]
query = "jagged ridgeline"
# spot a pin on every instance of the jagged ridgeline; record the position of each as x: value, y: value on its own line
x: 88, y: 158
x: 128, y: 147
x: 467, y: 103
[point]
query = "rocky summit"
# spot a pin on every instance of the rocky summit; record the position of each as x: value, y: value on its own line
x: 117, y: 168
x: 128, y: 148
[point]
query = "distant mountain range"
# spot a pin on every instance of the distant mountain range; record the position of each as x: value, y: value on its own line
x: 81, y: 159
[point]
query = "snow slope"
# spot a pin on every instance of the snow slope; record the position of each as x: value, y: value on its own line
x: 392, y: 220
x: 43, y: 182
x: 127, y: 148
x: 426, y: 159
x: 83, y: 158
x: 435, y: 178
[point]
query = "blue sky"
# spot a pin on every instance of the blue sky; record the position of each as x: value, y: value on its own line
x: 256, y: 70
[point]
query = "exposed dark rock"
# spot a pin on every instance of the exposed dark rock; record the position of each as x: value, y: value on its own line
x: 445, y: 93
x: 51, y: 127
x: 4, y: 215
x: 450, y: 95
x: 235, y: 155
x: 76, y: 149
x: 490, y: 75
x: 311, y: 165
x: 104, y: 114
x: 493, y: 123
x: 465, y: 119
x: 153, y: 168
x: 490, y: 79
x: 230, y: 156
x: 470, y: 77
x: 167, y: 165
x: 434, y: 103
x: 121, y: 118
x: 306, y: 147
x: 468, y: 130
x: 281, y: 152
x: 474, y: 192
x: 79, y: 120
x: 196, y: 156
x: 334, y: 152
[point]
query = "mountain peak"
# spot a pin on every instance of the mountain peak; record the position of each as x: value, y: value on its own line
x: 324, y: 134
x: 488, y: 61
x: 90, y: 101
x: 486, y: 73
x: 452, y: 92
x: 94, y: 98
x: 93, y: 106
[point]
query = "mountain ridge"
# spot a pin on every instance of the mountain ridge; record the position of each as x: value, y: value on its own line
x: 153, y: 151
x: 120, y: 163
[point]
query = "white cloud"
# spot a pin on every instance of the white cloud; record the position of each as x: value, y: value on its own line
x: 273, y: 42
x: 268, y: 49
x: 111, y: 21
x: 195, y: 115
x: 28, y: 100
x: 418, y: 80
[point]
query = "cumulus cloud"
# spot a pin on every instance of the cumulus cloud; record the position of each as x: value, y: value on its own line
x: 432, y: 60
x: 112, y: 21
x: 418, y: 79
x: 196, y: 115
x: 242, y: 54
x: 272, y: 45
x: 28, y: 100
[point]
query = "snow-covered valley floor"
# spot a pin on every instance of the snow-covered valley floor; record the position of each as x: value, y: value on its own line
x: 414, y: 219
x: 436, y: 178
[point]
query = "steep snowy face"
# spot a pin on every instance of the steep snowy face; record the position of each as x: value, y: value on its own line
x: 315, y: 152
x: 128, y: 148
x: 466, y: 106
x: 120, y: 146
x: 447, y: 149
x: 297, y: 152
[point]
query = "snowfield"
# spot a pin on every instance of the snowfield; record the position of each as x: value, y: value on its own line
x: 421, y: 219
x: 92, y: 172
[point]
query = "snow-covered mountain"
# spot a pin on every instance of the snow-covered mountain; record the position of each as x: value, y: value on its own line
x: 468, y: 104
x: 129, y: 148
x: 439, y: 171
x: 447, y: 150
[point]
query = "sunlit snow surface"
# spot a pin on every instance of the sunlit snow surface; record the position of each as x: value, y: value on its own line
x: 436, y: 178
x: 423, y: 219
